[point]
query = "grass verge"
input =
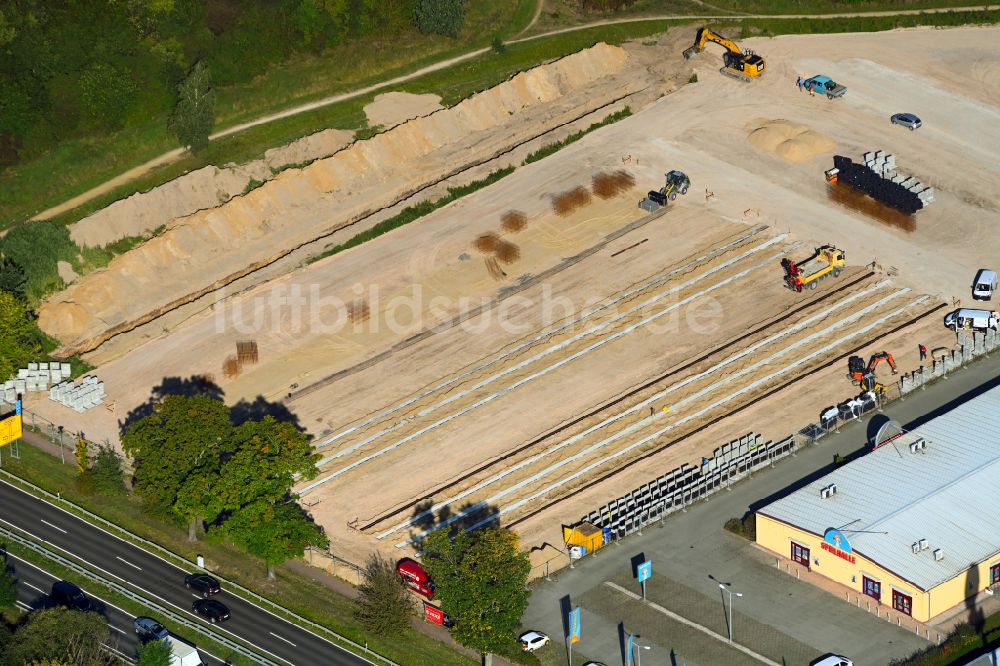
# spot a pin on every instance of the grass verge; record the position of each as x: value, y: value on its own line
x: 411, y: 213
x: 550, y: 148
x: 121, y: 601
x: 296, y: 592
x: 961, y: 644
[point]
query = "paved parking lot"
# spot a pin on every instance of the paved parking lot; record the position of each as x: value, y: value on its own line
x: 786, y: 620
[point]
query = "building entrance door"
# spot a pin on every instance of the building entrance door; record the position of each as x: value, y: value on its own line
x: 872, y: 588
x: 800, y: 554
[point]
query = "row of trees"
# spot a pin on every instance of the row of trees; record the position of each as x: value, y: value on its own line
x: 71, y: 69
x: 194, y: 464
x: 481, y: 581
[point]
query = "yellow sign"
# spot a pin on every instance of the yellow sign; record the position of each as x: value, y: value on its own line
x: 10, y: 429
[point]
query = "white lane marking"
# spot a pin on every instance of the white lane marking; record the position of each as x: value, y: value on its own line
x: 37, y: 589
x: 120, y: 631
x: 90, y: 525
x: 282, y: 639
x: 128, y: 563
x: 55, y: 527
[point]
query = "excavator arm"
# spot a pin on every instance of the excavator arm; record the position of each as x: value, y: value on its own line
x: 705, y: 36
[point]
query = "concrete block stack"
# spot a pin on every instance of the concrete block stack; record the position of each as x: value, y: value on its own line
x: 79, y: 397
x: 35, y: 377
x: 878, y: 178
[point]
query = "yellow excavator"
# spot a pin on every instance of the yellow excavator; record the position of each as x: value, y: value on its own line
x: 743, y: 65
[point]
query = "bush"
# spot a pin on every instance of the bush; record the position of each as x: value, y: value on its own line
x: 745, y: 527
x: 440, y: 17
x: 694, y: 78
x: 384, y: 603
x: 37, y: 247
x: 498, y: 46
x: 107, y: 473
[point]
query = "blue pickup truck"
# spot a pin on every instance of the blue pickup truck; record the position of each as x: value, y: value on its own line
x: 824, y: 85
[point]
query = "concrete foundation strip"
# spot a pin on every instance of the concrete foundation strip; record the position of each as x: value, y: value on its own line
x: 755, y: 384
x: 620, y: 400
x: 550, y: 368
x: 551, y: 350
x: 642, y: 405
x: 694, y: 625
x: 548, y: 333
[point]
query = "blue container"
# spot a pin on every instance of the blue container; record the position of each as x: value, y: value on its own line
x: 606, y: 536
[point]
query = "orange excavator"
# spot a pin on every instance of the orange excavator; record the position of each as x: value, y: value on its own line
x: 858, y: 371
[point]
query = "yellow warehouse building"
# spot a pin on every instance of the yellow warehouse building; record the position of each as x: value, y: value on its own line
x: 914, y: 524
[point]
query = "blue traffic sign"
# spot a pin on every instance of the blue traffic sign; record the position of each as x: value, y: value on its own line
x: 644, y: 571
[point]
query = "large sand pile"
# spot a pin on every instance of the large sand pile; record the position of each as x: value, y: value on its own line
x: 390, y: 109
x: 207, y: 250
x: 205, y: 188
x: 794, y: 142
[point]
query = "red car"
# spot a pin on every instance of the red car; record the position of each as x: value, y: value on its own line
x: 415, y: 577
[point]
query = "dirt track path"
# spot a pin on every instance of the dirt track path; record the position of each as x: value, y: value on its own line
x: 177, y: 153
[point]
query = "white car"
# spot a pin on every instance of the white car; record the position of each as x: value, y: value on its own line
x: 833, y: 660
x: 532, y: 640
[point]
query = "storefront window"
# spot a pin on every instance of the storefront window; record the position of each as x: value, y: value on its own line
x: 800, y: 554
x: 872, y: 588
x: 902, y: 602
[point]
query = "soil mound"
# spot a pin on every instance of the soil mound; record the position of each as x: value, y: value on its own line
x: 203, y: 252
x: 393, y: 108
x: 794, y: 142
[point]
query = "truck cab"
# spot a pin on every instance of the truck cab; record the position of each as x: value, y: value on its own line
x: 415, y: 577
x: 984, y: 285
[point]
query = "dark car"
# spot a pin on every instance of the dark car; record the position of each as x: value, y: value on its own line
x: 67, y: 594
x: 214, y: 611
x: 147, y: 629
x: 202, y: 583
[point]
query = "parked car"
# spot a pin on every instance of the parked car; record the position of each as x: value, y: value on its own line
x: 202, y: 583
x: 69, y: 595
x: 833, y: 660
x: 532, y: 640
x: 147, y: 629
x: 415, y: 577
x: 211, y: 609
x: 906, y: 120
x: 595, y: 663
x: 984, y: 284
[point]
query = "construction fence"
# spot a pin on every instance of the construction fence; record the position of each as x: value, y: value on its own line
x: 666, y: 494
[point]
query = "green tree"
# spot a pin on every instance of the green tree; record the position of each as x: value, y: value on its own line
x: 273, y: 532
x: 19, y: 342
x: 384, y: 603
x: 12, y: 278
x: 8, y: 587
x: 106, y: 93
x: 61, y: 634
x: 266, y: 459
x: 440, y: 17
x: 482, y: 581
x: 107, y: 473
x: 194, y: 115
x: 177, y: 452
x: 154, y: 653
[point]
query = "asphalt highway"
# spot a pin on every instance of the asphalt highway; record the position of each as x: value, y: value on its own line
x: 34, y: 585
x: 161, y: 580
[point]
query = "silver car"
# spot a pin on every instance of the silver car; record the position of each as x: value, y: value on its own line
x: 906, y: 120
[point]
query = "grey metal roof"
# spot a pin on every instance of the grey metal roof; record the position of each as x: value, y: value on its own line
x: 949, y: 494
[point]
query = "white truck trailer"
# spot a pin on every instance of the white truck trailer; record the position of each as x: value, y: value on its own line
x: 184, y: 654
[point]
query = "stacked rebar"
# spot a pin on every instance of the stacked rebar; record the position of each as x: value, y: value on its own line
x: 877, y: 177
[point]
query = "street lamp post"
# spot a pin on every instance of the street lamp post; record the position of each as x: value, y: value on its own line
x: 62, y: 455
x: 633, y: 646
x: 722, y: 586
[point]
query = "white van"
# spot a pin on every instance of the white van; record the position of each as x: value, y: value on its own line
x: 965, y: 318
x: 984, y: 285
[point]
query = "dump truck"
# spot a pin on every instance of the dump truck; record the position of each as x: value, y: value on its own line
x: 824, y: 85
x: 826, y: 261
x: 677, y: 182
x: 183, y: 654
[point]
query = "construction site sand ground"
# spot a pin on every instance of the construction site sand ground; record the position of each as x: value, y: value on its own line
x: 460, y: 415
